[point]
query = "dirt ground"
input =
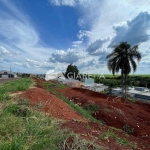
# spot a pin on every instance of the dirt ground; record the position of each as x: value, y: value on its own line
x: 114, y: 112
x: 50, y: 104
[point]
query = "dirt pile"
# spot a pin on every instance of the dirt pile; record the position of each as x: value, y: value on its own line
x: 50, y: 104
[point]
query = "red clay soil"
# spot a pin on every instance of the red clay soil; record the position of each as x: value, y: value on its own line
x: 50, y: 104
x: 92, y: 131
x: 115, y: 112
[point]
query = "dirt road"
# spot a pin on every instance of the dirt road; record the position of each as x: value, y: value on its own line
x: 7, y: 80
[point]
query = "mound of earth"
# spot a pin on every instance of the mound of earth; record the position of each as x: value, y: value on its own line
x: 128, y: 116
x: 50, y: 104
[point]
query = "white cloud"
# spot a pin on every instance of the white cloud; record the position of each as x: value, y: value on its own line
x: 63, y: 2
x: 18, y: 64
x: 70, y: 56
x: 98, y: 47
x: 96, y: 22
x: 69, y: 2
x: 83, y: 33
x: 76, y: 43
x: 3, y: 51
x: 20, y: 37
x: 134, y: 31
x: 102, y: 15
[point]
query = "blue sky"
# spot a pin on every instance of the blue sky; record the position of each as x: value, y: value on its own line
x: 39, y: 35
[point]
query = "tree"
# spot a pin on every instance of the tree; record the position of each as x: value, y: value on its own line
x: 123, y: 58
x: 71, y: 71
x: 111, y: 85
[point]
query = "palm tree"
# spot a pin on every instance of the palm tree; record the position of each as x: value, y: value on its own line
x: 123, y: 58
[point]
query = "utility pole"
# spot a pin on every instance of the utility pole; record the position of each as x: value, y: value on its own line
x: 10, y: 72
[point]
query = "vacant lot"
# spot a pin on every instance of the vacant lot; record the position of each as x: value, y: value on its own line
x: 51, y: 115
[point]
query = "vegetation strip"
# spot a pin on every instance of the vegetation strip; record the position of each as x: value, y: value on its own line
x: 83, y: 112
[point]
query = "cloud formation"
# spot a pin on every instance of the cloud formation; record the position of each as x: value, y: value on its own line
x: 3, y: 51
x: 70, y: 56
x: 97, y: 21
x: 133, y: 31
x: 69, y: 2
x: 97, y: 47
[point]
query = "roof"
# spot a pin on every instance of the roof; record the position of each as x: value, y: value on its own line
x: 146, y: 93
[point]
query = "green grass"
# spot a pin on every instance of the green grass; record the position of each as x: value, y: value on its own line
x: 91, y: 108
x: 84, y: 113
x: 122, y: 141
x: 13, y: 86
x: 23, y: 128
x: 50, y: 85
x: 110, y: 75
x: 34, y: 131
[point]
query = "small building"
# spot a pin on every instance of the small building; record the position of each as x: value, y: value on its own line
x: 7, y: 74
x: 140, y: 93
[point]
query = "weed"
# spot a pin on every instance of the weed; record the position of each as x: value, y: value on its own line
x: 132, y: 100
x: 121, y: 141
x: 128, y: 129
x: 74, y: 143
x: 4, y: 96
x: 17, y: 110
x: 40, y: 105
x: 23, y: 101
x: 91, y: 108
x: 116, y: 129
x: 76, y: 120
x: 108, y: 110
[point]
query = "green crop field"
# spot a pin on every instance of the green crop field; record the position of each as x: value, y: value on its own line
x: 110, y: 75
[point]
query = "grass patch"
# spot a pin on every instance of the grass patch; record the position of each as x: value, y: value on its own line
x: 17, y: 110
x: 50, y: 85
x: 22, y: 101
x: 122, y: 141
x: 35, y: 131
x: 13, y: 86
x: 91, y: 108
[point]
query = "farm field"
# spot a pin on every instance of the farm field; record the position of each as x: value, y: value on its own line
x: 117, y: 75
x: 71, y: 117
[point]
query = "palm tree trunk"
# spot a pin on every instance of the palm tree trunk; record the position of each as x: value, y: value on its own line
x: 122, y: 79
x: 125, y: 86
